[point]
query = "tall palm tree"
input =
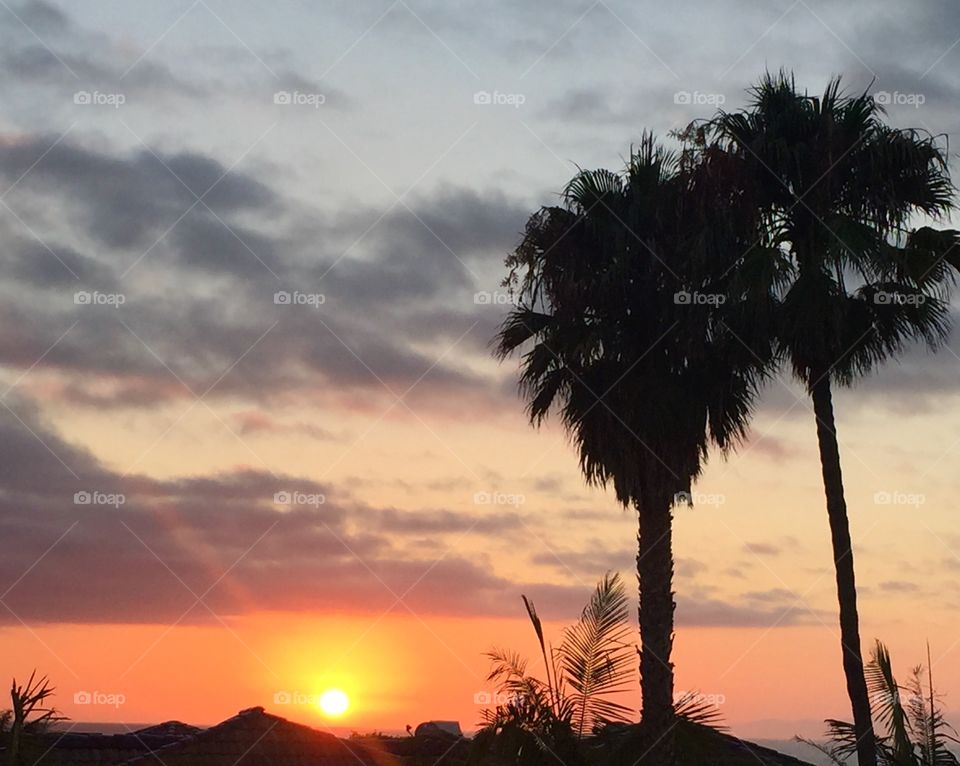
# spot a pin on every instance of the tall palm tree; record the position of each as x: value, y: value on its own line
x: 836, y: 189
x: 624, y: 318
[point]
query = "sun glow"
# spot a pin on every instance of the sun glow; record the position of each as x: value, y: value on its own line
x: 334, y: 703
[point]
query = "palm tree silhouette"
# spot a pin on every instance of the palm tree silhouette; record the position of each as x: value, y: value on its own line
x: 628, y: 334
x: 836, y: 189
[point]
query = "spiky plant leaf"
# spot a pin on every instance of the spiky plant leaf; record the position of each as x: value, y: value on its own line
x: 597, y: 657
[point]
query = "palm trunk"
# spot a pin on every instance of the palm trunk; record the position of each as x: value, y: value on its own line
x: 655, y: 574
x: 843, y: 562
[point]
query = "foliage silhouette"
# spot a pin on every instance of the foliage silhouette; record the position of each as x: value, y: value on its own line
x: 629, y: 331
x: 849, y: 284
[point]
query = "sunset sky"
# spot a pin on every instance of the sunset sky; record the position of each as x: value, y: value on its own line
x: 341, y: 489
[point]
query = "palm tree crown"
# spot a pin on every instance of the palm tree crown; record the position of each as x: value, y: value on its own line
x: 837, y: 188
x: 630, y: 343
x: 632, y: 334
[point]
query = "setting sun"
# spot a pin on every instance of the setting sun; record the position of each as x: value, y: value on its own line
x: 334, y: 703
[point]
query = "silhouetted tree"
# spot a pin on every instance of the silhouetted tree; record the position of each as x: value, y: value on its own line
x: 836, y: 189
x: 624, y: 317
x: 28, y: 715
x: 543, y: 721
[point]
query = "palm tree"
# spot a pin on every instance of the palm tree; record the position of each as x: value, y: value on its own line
x: 623, y: 312
x: 836, y: 189
x: 537, y: 721
x: 917, y: 734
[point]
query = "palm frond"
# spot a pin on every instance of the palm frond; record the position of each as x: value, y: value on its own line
x: 697, y: 709
x: 886, y: 703
x: 597, y: 657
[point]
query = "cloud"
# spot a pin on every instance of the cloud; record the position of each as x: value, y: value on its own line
x: 199, y: 283
x: 899, y: 586
x: 591, y: 562
x: 51, y: 50
x: 259, y: 422
x: 125, y: 201
x: 230, y: 538
x: 137, y: 549
x: 761, y: 549
x: 777, y: 609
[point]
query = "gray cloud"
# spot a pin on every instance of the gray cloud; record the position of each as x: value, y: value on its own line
x: 406, y: 289
x: 762, y: 549
x: 224, y: 536
x: 140, y: 561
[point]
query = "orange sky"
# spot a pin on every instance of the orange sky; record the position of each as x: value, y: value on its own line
x: 763, y: 546
x: 205, y: 401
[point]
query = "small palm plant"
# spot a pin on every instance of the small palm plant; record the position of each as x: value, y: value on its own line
x: 917, y: 733
x: 539, y: 720
x: 29, y: 715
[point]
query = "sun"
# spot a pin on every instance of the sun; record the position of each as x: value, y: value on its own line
x: 334, y: 703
